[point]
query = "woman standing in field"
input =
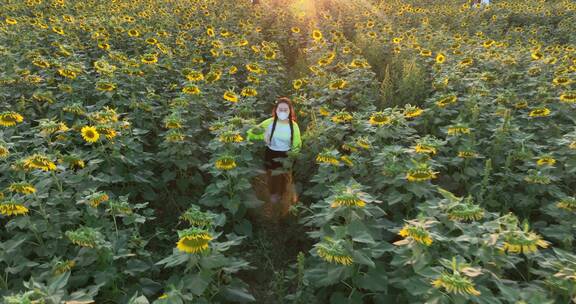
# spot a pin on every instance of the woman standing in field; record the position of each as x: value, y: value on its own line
x: 280, y: 134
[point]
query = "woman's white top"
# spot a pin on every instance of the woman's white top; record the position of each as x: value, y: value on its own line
x: 281, y: 139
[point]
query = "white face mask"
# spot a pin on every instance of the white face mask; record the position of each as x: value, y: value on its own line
x: 282, y: 115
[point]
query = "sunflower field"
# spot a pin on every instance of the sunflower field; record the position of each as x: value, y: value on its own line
x: 438, y: 162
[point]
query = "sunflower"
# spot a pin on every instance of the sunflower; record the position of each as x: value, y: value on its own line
x: 295, y: 29
x: 425, y: 149
x: 338, y: 84
x: 4, y: 152
x: 8, y: 208
x: 568, y: 97
x: 446, y: 101
x: 540, y: 112
x: 194, y: 216
x: 41, y: 63
x: 85, y: 237
x: 417, y: 233
x: 249, y: 92
x: 97, y: 198
x: 467, y: 154
x: 10, y: 21
x: 10, y: 118
x: 253, y: 68
x: 519, y: 241
x: 230, y: 96
x: 38, y: 161
x: 546, y: 161
x: 68, y: 73
x: 297, y: 84
x: 90, y: 134
x: 230, y: 137
x: 568, y: 203
x: 103, y: 45
x: 333, y: 252
x: 412, y: 112
x: 62, y: 267
x: 213, y: 76
x: 194, y: 76
x: 456, y: 283
x: 346, y: 160
x: 58, y: 30
x: 325, y: 158
x: 133, y: 33
x: 193, y: 240
x: 270, y: 55
x: 191, y: 90
x: 342, y: 117
x: 536, y: 55
x: 380, y: 119
x: 151, y: 41
x: 225, y: 163
x: 561, y: 81
x: 105, y: 86
x: 149, y: 58
x: 420, y: 174
x: 232, y: 70
x: 174, y: 135
x: 440, y: 58
x: 458, y: 130
x: 347, y: 200
x: 316, y: 35
x: 22, y: 187
x: 466, y: 212
x: 425, y: 52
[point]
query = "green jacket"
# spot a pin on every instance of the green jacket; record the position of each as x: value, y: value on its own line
x: 257, y: 133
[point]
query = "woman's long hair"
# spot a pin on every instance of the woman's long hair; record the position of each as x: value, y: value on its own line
x: 292, y: 117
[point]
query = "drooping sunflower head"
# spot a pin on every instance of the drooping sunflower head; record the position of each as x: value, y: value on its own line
x: 174, y: 136
x: 225, y: 163
x: 420, y: 173
x: 333, y: 251
x: 342, y: 117
x: 347, y: 200
x: 520, y: 241
x: 416, y: 232
x: 338, y: 84
x: 327, y: 157
x: 95, y: 199
x: 443, y: 102
x: 193, y: 240
x: 39, y: 161
x: 4, y: 151
x: 456, y: 283
x: 85, y: 237
x: 230, y: 137
x: 465, y: 211
x: 105, y: 86
x: 197, y: 218
x: 9, y: 208
x: 22, y: 188
x: 567, y: 203
x: 63, y: 266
